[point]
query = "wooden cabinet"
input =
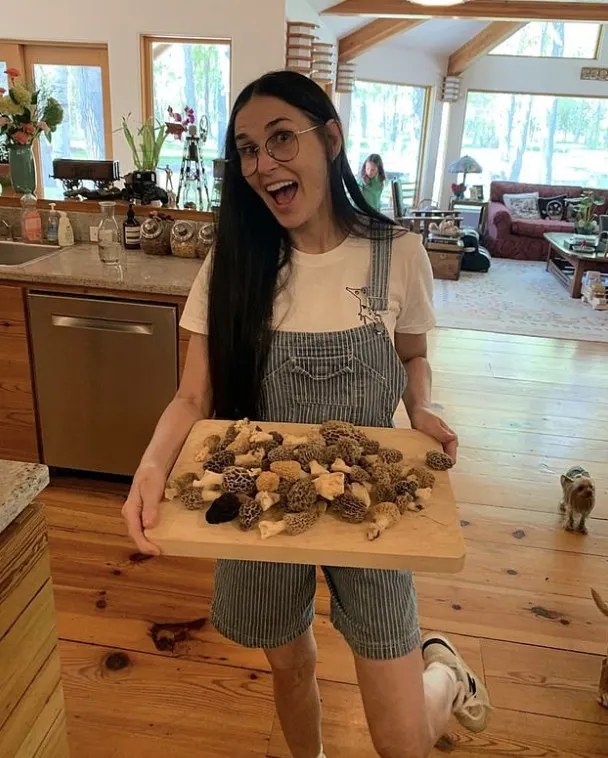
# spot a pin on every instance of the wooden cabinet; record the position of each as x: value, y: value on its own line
x: 18, y: 437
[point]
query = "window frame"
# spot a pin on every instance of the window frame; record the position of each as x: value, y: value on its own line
x: 147, y: 86
x: 425, y: 123
x: 25, y: 55
x: 596, y: 56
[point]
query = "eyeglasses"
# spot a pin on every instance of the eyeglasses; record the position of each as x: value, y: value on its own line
x: 283, y: 146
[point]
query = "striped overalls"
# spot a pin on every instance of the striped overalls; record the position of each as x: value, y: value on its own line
x: 353, y: 375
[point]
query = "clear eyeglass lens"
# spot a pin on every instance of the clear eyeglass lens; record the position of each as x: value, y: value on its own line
x: 283, y: 146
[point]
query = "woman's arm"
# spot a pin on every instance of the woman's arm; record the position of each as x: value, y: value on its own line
x: 412, y: 351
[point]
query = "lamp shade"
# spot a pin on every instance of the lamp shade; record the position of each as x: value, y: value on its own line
x: 465, y: 165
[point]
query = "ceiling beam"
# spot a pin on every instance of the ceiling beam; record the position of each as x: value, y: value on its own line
x: 362, y: 39
x: 511, y: 10
x: 492, y: 35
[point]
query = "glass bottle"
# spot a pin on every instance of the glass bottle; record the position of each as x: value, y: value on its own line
x: 108, y: 236
x: 131, y: 229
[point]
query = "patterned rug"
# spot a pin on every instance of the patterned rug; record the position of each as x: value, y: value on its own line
x: 517, y: 297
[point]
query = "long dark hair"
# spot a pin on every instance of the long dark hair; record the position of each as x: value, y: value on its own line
x: 373, y: 158
x: 251, y: 248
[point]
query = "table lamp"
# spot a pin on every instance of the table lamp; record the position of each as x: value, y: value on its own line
x: 464, y: 165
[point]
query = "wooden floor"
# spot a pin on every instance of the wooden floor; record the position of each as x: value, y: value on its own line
x: 146, y: 675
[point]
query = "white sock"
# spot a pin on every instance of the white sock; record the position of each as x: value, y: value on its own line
x: 457, y: 688
x: 321, y: 754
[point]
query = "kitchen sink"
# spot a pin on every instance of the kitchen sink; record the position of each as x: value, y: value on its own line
x: 13, y: 253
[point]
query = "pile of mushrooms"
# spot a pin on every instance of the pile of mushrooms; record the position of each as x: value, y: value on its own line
x: 285, y: 483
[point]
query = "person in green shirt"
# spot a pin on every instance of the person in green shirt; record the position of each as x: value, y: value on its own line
x: 372, y: 180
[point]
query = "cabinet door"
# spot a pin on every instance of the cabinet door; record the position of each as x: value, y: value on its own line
x: 18, y: 439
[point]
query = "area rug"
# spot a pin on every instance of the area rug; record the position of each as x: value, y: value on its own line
x: 517, y: 297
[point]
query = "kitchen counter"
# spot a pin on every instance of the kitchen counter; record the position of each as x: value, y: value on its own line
x: 20, y: 483
x: 80, y: 266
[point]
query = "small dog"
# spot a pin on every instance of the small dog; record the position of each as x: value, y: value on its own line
x: 578, y: 498
x: 602, y: 695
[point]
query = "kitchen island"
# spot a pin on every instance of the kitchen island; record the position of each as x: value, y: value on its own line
x: 32, y: 714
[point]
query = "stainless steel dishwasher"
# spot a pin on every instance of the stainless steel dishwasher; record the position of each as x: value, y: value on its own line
x: 104, y: 371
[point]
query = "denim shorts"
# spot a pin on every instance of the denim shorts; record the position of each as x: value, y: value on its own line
x: 267, y: 605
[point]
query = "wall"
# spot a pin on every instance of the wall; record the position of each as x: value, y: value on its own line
x: 397, y: 65
x: 497, y: 73
x: 300, y: 10
x: 257, y: 31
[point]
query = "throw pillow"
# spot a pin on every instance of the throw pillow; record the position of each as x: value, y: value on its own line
x: 522, y: 205
x: 553, y: 208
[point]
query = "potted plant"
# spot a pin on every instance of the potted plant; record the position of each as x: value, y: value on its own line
x: 586, y: 221
x: 25, y: 114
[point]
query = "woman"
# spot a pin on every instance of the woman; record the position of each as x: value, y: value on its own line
x: 372, y: 180
x: 313, y: 306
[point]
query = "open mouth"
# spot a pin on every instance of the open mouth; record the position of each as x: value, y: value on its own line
x: 282, y: 192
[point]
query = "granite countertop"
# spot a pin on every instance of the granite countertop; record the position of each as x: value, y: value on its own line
x: 20, y: 483
x: 137, y: 272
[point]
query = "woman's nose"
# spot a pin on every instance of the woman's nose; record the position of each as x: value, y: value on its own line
x: 266, y: 162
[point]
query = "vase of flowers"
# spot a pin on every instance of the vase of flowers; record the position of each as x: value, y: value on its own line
x: 25, y: 114
x: 586, y: 220
x: 458, y: 190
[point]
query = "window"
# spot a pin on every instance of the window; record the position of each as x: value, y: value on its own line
x: 77, y: 76
x: 553, y: 39
x: 193, y: 73
x: 389, y: 119
x: 537, y: 138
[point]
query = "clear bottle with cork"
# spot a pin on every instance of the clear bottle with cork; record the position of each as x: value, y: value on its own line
x: 131, y: 231
x: 31, y: 223
x: 108, y: 236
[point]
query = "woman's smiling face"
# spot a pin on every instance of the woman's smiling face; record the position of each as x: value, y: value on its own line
x: 294, y: 190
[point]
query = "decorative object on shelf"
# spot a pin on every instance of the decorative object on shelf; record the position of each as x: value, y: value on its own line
x: 586, y: 221
x: 204, y: 240
x: 73, y: 173
x: 219, y: 165
x: 594, y: 73
x: 476, y: 193
x: 131, y: 230
x: 464, y: 165
x: 446, y: 228
x: 146, y: 146
x: 25, y: 114
x: 345, y: 77
x: 299, y: 46
x: 192, y: 177
x: 179, y: 122
x: 171, y: 196
x: 108, y: 236
x: 156, y: 234
x: 450, y: 89
x: 322, y: 63
x: 183, y: 239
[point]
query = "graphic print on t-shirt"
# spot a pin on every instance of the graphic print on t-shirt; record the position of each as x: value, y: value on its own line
x: 367, y: 313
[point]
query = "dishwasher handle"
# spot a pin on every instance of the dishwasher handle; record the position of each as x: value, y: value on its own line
x: 102, y: 324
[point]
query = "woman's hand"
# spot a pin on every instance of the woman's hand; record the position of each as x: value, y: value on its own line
x: 142, y: 507
x: 427, y: 422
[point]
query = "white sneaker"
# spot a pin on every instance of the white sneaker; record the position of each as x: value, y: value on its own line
x: 472, y: 705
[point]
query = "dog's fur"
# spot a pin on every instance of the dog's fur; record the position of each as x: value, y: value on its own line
x: 578, y: 498
x: 602, y: 695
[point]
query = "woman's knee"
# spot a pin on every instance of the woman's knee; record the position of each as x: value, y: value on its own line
x: 296, y: 661
x: 415, y: 748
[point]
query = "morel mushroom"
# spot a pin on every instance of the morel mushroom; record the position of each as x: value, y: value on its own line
x: 277, y: 437
x: 295, y: 440
x: 370, y: 447
x: 350, y: 508
x: 404, y: 487
x: 340, y: 465
x: 291, y: 523
x: 332, y: 431
x: 267, y: 499
x: 193, y: 498
x: 210, y: 445
x: 287, y: 469
x: 384, y: 492
x: 302, y: 496
x: 238, y: 480
x: 176, y: 486
x: 361, y: 492
x: 209, y: 480
x: 259, y: 437
x: 358, y: 474
x: 241, y: 444
x: 267, y: 481
x: 316, y: 469
x: 406, y: 503
x: 390, y: 455
x: 329, y: 486
x: 220, y: 461
x: 250, y: 512
x: 423, y: 494
x: 308, y: 453
x: 438, y: 460
x: 425, y: 477
x: 348, y: 450
x: 251, y: 459
x: 384, y: 516
x: 281, y: 453
x: 225, y: 508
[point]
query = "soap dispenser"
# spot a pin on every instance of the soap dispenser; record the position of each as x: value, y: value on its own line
x: 65, y: 233
x: 52, y: 227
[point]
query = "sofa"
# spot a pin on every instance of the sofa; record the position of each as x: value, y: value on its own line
x: 522, y: 238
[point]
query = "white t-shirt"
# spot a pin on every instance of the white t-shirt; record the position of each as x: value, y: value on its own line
x: 319, y: 297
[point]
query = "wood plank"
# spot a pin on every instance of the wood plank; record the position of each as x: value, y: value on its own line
x: 35, y: 713
x: 487, y: 39
x: 365, y: 37
x: 24, y: 564
x: 428, y: 541
x: 556, y: 683
x: 131, y: 704
x: 24, y: 648
x: 518, y: 10
x: 55, y: 744
x: 510, y: 614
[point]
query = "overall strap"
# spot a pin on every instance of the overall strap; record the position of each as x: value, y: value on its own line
x: 381, y: 248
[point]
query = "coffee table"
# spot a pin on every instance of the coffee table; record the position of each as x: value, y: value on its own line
x: 569, y: 266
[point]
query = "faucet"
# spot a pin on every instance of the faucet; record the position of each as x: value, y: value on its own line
x: 5, y: 225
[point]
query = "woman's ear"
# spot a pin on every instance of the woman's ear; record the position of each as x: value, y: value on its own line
x: 335, y: 138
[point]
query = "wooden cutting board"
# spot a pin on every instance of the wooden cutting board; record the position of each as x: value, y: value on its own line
x: 427, y: 541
